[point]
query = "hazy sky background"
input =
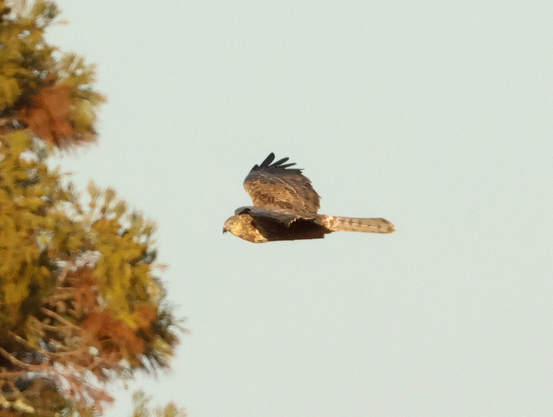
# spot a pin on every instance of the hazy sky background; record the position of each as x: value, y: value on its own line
x: 437, y: 115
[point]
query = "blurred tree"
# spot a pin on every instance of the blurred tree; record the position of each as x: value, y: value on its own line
x: 142, y: 408
x: 80, y: 304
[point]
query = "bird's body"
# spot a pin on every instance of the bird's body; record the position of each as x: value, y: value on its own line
x: 263, y: 229
x: 285, y: 208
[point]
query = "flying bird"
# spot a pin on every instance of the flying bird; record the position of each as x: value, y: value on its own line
x: 285, y: 207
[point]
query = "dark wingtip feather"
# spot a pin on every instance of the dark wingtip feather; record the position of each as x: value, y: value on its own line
x: 268, y: 160
x: 280, y: 164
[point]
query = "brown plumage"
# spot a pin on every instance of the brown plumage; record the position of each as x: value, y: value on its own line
x: 285, y: 208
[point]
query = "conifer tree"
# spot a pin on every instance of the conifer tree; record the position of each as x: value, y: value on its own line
x: 142, y: 408
x: 80, y: 303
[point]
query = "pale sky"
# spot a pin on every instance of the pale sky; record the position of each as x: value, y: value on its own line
x: 436, y: 115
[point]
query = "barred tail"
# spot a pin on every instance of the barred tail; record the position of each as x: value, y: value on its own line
x: 350, y: 224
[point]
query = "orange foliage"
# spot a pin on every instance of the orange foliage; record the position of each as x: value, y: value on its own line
x: 113, y: 335
x: 84, y: 283
x: 145, y: 316
x: 50, y: 115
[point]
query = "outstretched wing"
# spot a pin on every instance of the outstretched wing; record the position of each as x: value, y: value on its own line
x: 276, y: 186
x: 286, y: 217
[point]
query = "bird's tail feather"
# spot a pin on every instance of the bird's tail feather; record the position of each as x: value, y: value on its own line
x: 351, y: 224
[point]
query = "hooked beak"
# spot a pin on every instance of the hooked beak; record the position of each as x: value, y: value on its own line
x: 224, y: 230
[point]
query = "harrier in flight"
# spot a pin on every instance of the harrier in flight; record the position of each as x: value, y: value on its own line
x: 285, y: 207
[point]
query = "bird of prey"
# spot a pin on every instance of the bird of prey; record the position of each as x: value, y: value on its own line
x: 285, y: 207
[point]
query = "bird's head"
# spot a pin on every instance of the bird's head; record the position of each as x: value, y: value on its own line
x: 233, y: 225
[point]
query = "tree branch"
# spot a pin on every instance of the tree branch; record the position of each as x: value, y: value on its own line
x: 64, y: 273
x: 59, y: 318
x: 28, y: 345
x: 11, y: 374
x: 13, y: 360
x: 5, y: 120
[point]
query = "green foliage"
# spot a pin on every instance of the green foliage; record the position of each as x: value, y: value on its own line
x: 77, y: 285
x: 80, y: 302
x: 27, y: 192
x: 49, y: 92
x: 142, y: 408
x: 25, y: 57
